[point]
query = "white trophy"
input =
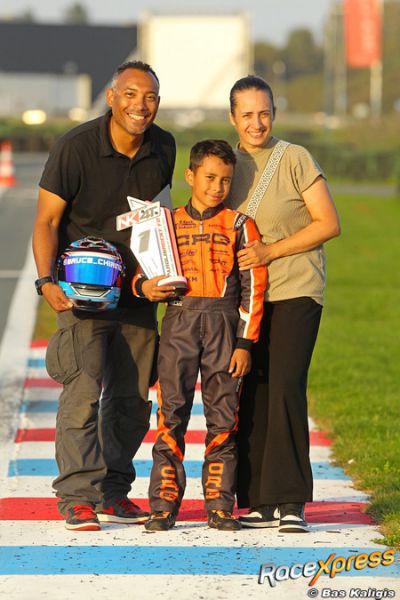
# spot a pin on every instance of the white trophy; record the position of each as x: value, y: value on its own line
x: 153, y: 240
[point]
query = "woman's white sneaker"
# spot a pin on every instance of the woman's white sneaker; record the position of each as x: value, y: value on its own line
x: 261, y: 516
x: 292, y: 518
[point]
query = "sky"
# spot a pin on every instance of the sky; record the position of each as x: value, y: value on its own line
x: 270, y: 20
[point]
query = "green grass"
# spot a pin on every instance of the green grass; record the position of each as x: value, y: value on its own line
x: 45, y: 321
x: 355, y: 375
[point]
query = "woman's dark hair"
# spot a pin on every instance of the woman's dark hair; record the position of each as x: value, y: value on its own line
x: 251, y: 82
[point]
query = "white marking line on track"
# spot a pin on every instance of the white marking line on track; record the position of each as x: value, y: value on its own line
x: 31, y: 420
x: 10, y: 274
x: 178, y: 587
x: 53, y: 533
x: 13, y: 354
x: 40, y: 393
x: 34, y: 486
x: 39, y: 352
x: 33, y: 450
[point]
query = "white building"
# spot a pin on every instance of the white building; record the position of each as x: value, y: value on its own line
x: 196, y: 57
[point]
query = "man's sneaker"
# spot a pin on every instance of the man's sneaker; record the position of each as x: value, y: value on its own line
x: 262, y: 516
x: 223, y: 520
x: 160, y: 521
x: 292, y: 518
x: 82, y: 517
x: 122, y: 510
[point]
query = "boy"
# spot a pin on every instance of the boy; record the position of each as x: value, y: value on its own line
x: 211, y: 328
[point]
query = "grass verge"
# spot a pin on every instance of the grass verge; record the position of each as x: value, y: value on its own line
x: 354, y: 377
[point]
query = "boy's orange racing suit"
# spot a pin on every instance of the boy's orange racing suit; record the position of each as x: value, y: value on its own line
x: 221, y: 311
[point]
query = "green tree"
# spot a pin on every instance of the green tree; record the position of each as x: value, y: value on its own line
x: 391, y: 52
x: 26, y: 16
x: 301, y: 54
x: 358, y: 79
x: 76, y: 14
x: 265, y: 55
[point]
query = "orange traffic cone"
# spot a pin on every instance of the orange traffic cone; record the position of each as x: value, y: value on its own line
x: 7, y: 171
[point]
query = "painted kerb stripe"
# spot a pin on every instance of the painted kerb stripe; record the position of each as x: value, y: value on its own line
x: 47, y: 467
x: 172, y: 560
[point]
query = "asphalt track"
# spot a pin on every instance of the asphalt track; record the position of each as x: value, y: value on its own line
x: 17, y: 209
x: 40, y: 559
x: 17, y: 273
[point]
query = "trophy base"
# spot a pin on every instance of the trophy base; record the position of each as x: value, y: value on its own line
x: 178, y: 281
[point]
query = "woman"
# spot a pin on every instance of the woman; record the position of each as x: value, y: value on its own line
x: 295, y: 214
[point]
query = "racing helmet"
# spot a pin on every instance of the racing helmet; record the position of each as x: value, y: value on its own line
x: 90, y: 272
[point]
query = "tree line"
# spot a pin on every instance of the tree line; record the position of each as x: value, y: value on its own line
x: 298, y: 73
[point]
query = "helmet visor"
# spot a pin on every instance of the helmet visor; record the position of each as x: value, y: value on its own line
x: 94, y: 268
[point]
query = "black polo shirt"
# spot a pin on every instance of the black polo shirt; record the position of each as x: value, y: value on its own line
x: 94, y: 179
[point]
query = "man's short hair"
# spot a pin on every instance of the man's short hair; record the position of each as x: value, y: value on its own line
x: 250, y: 82
x: 219, y: 148
x: 133, y: 64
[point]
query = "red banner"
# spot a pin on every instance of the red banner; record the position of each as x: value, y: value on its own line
x: 362, y: 24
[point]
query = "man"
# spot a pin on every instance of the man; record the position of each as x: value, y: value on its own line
x: 89, y: 174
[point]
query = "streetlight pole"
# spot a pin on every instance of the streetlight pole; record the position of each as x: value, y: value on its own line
x: 376, y: 78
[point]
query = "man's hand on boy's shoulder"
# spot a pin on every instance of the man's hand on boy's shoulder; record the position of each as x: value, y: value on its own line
x: 155, y: 292
x: 240, y: 362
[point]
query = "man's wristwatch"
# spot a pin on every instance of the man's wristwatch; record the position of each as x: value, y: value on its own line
x: 41, y: 281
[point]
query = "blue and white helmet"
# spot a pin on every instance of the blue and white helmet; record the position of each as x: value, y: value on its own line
x: 90, y: 272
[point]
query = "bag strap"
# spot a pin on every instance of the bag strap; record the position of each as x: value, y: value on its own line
x: 265, y: 179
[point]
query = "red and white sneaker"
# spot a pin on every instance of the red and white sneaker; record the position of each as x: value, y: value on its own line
x: 82, y: 517
x: 122, y: 510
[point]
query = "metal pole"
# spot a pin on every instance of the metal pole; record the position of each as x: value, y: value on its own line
x: 376, y: 90
x: 340, y: 65
x: 328, y: 64
x: 376, y: 80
